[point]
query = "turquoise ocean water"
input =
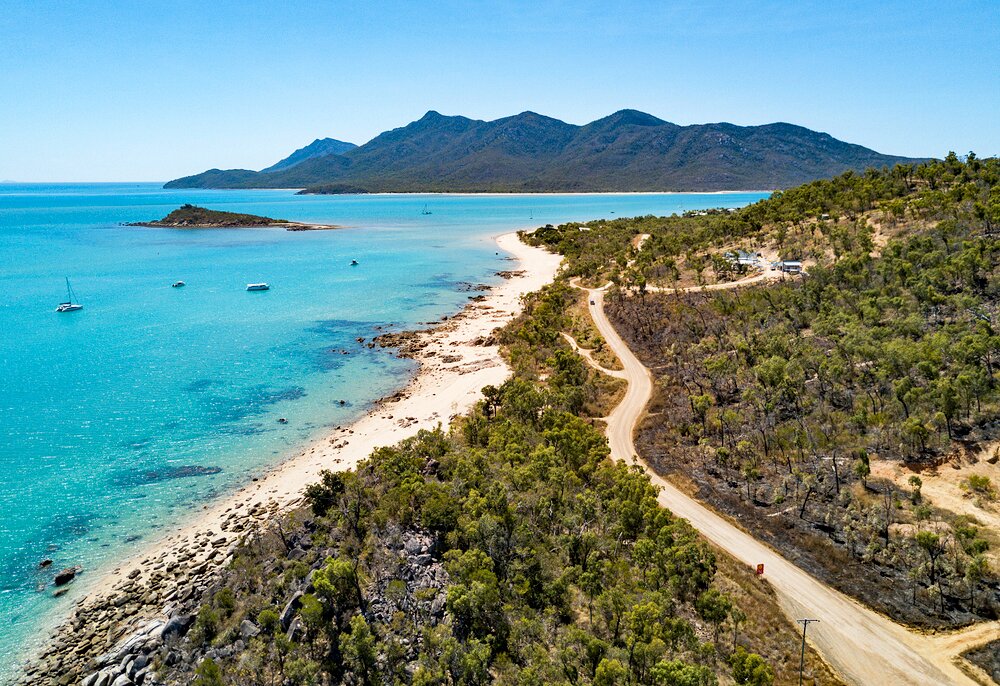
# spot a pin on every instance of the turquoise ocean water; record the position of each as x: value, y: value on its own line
x: 117, y: 421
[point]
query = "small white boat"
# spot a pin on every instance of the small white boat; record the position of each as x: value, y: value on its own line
x: 177, y: 284
x: 258, y: 287
x: 69, y: 305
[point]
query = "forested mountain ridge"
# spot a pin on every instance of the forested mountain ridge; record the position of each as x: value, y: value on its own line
x: 528, y: 152
x: 787, y: 404
x: 321, y: 147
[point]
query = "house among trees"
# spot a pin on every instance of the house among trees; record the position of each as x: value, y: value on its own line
x: 790, y: 266
x: 743, y: 258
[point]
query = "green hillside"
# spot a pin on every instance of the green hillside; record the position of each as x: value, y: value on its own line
x: 528, y: 152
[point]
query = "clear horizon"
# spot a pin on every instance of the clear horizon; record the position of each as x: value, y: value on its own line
x: 120, y: 92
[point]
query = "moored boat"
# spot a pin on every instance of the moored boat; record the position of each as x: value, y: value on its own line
x: 177, y: 284
x: 258, y: 287
x: 69, y: 305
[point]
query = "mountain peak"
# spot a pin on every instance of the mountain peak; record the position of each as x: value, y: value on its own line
x: 635, y: 118
x: 623, y: 118
x: 530, y: 152
x: 434, y: 119
x: 321, y: 147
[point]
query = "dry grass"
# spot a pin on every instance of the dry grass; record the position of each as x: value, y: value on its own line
x: 587, y: 336
x: 766, y: 628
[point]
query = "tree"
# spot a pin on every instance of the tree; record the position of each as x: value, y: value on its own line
x: 915, y: 483
x: 975, y: 571
x: 610, y: 672
x: 700, y: 404
x: 338, y: 584
x: 208, y: 673
x: 359, y: 651
x: 714, y: 607
x: 323, y: 495
x: 474, y: 598
x: 268, y: 620
x: 677, y: 673
x: 737, y: 616
x: 750, y: 668
x: 931, y: 544
x: 862, y: 468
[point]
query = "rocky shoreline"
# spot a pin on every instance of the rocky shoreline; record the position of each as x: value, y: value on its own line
x: 107, y: 637
x: 115, y: 639
x: 136, y: 616
x: 117, y: 643
x: 287, y: 226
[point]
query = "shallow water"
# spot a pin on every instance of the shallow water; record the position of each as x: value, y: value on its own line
x: 116, y: 421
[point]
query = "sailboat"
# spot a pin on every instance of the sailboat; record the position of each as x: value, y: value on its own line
x: 426, y: 211
x: 69, y: 305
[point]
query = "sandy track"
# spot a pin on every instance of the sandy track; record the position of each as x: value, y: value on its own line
x: 861, y: 645
x: 588, y: 355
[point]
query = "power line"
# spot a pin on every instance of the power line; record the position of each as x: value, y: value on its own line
x: 802, y: 657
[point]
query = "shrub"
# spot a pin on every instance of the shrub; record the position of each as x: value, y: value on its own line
x: 206, y: 626
x: 750, y: 668
x: 208, y: 673
x: 268, y: 620
x: 980, y: 485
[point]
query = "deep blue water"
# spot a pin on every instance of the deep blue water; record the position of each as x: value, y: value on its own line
x: 103, y: 411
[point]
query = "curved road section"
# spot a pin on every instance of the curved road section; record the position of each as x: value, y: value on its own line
x: 863, y: 646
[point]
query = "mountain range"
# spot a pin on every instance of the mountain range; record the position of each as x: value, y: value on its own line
x: 529, y: 152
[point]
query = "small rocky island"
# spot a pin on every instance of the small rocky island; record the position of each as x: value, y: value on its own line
x: 194, y: 217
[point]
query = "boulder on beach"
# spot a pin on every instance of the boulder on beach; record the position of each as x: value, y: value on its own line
x: 67, y: 575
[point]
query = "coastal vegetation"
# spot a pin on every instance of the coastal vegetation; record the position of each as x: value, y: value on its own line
x: 507, y: 550
x: 529, y: 152
x: 193, y: 217
x: 510, y: 549
x: 777, y: 402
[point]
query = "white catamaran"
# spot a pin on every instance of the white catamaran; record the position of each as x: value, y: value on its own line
x: 69, y: 305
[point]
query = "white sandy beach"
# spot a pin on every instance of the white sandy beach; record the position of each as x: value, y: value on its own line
x: 454, y: 366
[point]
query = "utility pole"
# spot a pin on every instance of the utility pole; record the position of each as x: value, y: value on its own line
x: 802, y: 657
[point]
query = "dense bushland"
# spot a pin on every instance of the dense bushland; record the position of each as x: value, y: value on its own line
x: 820, y: 221
x: 510, y: 550
x: 776, y: 400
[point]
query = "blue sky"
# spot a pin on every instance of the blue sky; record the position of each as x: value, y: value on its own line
x: 152, y: 90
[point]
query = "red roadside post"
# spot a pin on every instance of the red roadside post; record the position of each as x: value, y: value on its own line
x: 760, y: 569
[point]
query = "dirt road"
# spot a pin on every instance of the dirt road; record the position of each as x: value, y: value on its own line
x: 863, y: 646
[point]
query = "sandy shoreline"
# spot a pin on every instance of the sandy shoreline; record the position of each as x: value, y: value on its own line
x: 522, y: 193
x: 455, y: 363
x: 542, y: 193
